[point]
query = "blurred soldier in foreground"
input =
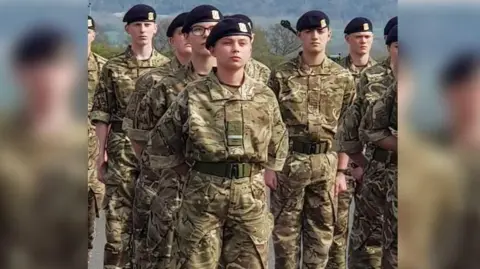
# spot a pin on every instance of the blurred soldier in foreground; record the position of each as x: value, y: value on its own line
x: 120, y: 170
x: 224, y: 218
x: 182, y: 51
x: 313, y: 92
x: 42, y: 157
x: 159, y: 230
x: 365, y: 245
x: 359, y: 37
x: 254, y: 68
x: 96, y: 189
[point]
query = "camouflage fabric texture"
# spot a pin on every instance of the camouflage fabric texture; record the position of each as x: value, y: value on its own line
x: 249, y: 123
x: 144, y: 83
x: 117, y: 82
x: 337, y: 255
x: 257, y: 70
x: 365, y: 235
x: 312, y: 99
x: 149, y: 111
x: 377, y: 124
x: 96, y: 189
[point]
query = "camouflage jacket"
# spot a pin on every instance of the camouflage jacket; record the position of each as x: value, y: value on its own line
x: 117, y: 82
x: 346, y: 63
x: 211, y: 122
x: 380, y: 120
x: 144, y: 83
x: 95, y: 65
x: 157, y: 100
x: 257, y: 71
x: 373, y: 83
x: 312, y: 99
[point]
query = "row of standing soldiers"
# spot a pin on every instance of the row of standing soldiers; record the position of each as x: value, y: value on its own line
x: 182, y: 150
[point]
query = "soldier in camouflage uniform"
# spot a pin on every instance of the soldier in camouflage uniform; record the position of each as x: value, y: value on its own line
x: 313, y: 92
x: 254, y: 68
x: 365, y: 247
x: 182, y: 51
x: 153, y: 241
x: 379, y: 126
x: 117, y: 82
x: 96, y: 189
x: 359, y: 36
x: 224, y: 221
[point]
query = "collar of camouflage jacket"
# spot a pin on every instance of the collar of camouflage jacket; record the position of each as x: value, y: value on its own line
x: 219, y: 92
x: 306, y: 70
x: 156, y: 59
x: 353, y: 68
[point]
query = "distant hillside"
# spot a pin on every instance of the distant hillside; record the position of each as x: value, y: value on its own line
x: 336, y: 9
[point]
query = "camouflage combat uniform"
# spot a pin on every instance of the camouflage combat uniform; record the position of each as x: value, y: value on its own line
x: 159, y: 233
x: 337, y: 254
x: 380, y: 122
x: 230, y: 134
x: 117, y: 82
x: 312, y: 99
x: 96, y: 189
x: 365, y: 242
x: 257, y: 70
x: 143, y: 84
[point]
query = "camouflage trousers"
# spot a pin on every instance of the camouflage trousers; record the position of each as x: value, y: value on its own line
x: 390, y: 235
x: 223, y: 223
x: 365, y: 248
x: 157, y: 199
x: 338, y: 251
x: 121, y: 174
x: 304, y: 208
x: 95, y: 201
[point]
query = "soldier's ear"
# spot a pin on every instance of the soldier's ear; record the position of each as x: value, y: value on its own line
x: 253, y: 37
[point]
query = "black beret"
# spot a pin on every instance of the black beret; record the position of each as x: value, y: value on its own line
x: 140, y: 12
x: 176, y: 22
x: 40, y: 44
x: 228, y: 27
x: 460, y: 68
x: 91, y: 23
x: 313, y: 19
x: 243, y: 17
x: 202, y: 13
x: 358, y: 25
x: 392, y: 22
x: 392, y: 36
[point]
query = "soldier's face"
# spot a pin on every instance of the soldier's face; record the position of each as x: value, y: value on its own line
x: 315, y: 40
x: 179, y: 42
x: 198, y: 37
x: 393, y: 52
x: 360, y: 43
x: 142, y: 33
x: 91, y: 36
x: 463, y: 100
x: 49, y: 81
x: 232, y: 52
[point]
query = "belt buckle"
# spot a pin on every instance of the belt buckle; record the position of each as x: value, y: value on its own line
x: 314, y: 148
x: 233, y: 172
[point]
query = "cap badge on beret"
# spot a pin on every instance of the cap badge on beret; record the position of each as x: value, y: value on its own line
x: 150, y: 16
x: 250, y: 25
x: 90, y: 24
x: 366, y: 27
x: 215, y: 15
x: 242, y: 27
x: 323, y: 24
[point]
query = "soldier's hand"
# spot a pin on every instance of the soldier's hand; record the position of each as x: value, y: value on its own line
x: 340, y: 184
x: 270, y: 178
x: 102, y: 167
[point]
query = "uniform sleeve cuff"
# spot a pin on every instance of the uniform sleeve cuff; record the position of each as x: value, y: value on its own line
x: 127, y: 124
x: 165, y: 162
x: 349, y: 147
x: 378, y: 135
x: 275, y: 164
x: 99, y: 116
x: 137, y: 135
